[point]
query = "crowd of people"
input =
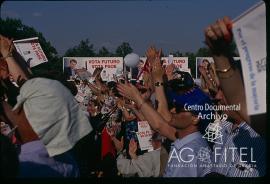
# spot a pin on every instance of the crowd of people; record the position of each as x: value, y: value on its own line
x: 87, y: 128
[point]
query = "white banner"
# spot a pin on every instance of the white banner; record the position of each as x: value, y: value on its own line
x: 111, y: 65
x: 180, y: 62
x: 144, y: 135
x: 31, y: 51
x: 249, y: 31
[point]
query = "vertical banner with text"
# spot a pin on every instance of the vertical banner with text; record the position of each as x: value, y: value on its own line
x: 144, y: 135
x: 249, y: 31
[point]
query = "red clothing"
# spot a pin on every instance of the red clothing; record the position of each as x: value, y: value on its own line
x: 14, y: 140
x: 107, y: 146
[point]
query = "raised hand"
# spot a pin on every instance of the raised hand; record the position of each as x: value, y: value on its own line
x: 129, y: 91
x: 169, y: 71
x: 157, y: 71
x: 133, y: 148
x: 130, y: 106
x: 120, y: 102
x: 219, y: 35
x: 97, y: 71
x: 151, y: 52
x: 119, y: 145
x: 147, y: 80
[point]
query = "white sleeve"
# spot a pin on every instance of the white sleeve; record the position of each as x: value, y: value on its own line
x: 145, y: 165
x: 148, y: 164
x: 125, y: 166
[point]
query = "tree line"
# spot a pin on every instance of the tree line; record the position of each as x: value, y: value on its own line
x: 14, y: 28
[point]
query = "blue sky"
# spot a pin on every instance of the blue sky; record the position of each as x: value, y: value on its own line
x: 172, y: 24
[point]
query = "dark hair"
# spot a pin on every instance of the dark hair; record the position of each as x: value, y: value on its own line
x: 183, y: 82
x: 142, y: 90
x: 73, y: 61
x: 206, y: 61
x: 71, y: 86
x: 9, y: 158
x: 111, y: 84
x: 156, y: 137
x: 7, y: 88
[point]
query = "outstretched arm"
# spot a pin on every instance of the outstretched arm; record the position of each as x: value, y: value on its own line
x: 157, y: 73
x: 156, y: 121
x: 18, y: 118
x: 218, y: 38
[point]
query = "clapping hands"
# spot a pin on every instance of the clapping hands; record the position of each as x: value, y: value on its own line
x: 128, y: 91
x: 133, y: 149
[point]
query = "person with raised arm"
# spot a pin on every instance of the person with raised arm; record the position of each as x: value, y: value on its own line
x: 218, y: 37
x: 183, y: 128
x: 237, y: 134
x: 48, y: 119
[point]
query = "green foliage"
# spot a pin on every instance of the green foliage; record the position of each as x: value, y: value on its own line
x: 203, y: 52
x: 84, y: 49
x: 123, y: 50
x: 14, y: 28
x: 104, y: 52
x: 177, y: 54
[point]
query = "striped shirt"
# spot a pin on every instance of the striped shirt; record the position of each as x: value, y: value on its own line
x: 242, y: 153
x: 188, y: 158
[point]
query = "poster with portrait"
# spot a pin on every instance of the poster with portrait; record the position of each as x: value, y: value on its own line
x: 181, y: 63
x: 73, y: 66
x: 204, y: 62
x: 31, y: 51
x: 111, y: 66
x: 79, y: 65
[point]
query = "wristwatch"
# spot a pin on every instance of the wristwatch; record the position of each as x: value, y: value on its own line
x: 159, y: 84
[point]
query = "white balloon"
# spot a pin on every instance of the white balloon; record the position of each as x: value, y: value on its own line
x: 132, y: 60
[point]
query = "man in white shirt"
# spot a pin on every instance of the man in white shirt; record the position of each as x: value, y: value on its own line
x: 146, y: 165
